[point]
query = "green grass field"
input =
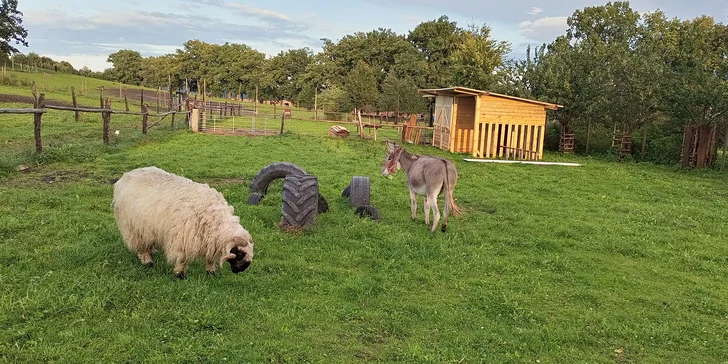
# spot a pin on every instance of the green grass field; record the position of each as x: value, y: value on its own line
x: 602, y: 263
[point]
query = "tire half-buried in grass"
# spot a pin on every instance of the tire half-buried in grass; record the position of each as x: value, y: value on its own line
x: 268, y: 174
x: 300, y: 201
x: 359, y: 191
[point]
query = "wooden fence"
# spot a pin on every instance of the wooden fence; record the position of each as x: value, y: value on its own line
x: 40, y: 107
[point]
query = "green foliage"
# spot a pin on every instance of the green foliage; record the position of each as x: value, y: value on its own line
x: 127, y: 67
x: 476, y: 57
x: 361, y: 86
x: 400, y: 95
x: 11, y: 27
x: 335, y: 100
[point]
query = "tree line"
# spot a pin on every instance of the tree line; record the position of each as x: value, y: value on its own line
x: 613, y: 68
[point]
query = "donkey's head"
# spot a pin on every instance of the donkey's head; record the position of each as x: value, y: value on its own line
x: 391, y: 161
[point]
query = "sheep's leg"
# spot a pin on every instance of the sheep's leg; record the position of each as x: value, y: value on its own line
x: 211, y: 268
x: 146, y: 259
x: 180, y: 265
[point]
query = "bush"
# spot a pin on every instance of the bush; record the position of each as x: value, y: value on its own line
x: 13, y: 80
x: 664, y: 150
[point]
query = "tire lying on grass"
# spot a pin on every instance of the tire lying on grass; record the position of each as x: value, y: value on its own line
x: 300, y: 201
x: 368, y: 211
x: 268, y: 174
x: 359, y: 191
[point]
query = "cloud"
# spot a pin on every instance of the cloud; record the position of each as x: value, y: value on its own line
x: 534, y: 11
x: 87, y: 35
x: 544, y: 29
x: 95, y: 62
x: 257, y: 12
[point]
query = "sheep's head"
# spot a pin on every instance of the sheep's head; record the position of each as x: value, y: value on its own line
x: 240, y: 253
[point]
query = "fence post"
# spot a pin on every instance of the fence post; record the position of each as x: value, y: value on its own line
x: 106, y: 116
x: 142, y: 101
x: 145, y: 118
x: 73, y: 96
x: 101, y: 98
x: 283, y: 119
x: 126, y: 101
x: 37, y: 122
x: 173, y: 114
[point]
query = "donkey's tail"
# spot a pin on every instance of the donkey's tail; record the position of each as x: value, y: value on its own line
x: 449, y: 200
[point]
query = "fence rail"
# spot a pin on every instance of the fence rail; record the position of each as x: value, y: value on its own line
x: 39, y: 108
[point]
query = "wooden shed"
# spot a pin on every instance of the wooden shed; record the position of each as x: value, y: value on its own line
x: 487, y: 124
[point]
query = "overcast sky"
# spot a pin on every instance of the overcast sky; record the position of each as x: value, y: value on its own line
x: 86, y: 32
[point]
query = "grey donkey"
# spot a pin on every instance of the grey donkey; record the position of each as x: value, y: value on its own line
x: 428, y: 176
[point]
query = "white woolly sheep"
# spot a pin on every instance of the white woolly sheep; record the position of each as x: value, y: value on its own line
x: 188, y: 220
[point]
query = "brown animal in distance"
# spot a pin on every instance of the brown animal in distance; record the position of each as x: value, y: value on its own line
x: 427, y: 176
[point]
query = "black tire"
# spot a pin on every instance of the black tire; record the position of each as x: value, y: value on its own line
x: 346, y: 191
x: 368, y: 211
x: 359, y: 191
x: 323, y: 205
x: 300, y: 201
x: 272, y: 172
x: 255, y: 198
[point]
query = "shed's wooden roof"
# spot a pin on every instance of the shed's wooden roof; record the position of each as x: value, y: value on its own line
x: 457, y: 91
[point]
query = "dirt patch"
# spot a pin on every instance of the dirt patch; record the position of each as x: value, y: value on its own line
x: 29, y: 100
x: 44, y: 179
x: 222, y: 182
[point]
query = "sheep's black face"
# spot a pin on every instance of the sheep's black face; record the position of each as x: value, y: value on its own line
x: 240, y: 263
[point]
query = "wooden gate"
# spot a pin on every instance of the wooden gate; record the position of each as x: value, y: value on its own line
x: 443, y: 121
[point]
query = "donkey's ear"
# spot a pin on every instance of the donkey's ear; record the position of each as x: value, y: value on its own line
x: 390, y: 146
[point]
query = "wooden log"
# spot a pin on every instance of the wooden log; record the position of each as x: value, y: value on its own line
x: 23, y: 111
x: 73, y: 96
x: 158, y: 121
x: 106, y: 117
x: 37, y: 122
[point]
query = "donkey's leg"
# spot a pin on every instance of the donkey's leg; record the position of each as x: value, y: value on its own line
x: 445, y: 213
x: 413, y: 203
x: 426, y: 208
x: 432, y: 200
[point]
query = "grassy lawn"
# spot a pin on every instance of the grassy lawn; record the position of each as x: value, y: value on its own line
x: 601, y: 263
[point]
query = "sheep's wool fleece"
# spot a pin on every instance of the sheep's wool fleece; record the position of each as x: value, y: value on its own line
x: 155, y: 208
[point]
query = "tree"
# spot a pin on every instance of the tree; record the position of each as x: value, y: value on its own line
x: 476, y: 57
x: 400, y: 95
x: 127, y: 67
x: 361, y: 86
x: 286, y: 71
x: 437, y: 42
x: 11, y: 28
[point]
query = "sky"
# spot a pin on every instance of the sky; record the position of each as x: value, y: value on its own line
x: 87, y: 31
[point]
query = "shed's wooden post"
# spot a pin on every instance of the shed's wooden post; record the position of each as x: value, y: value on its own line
x: 453, y: 123
x: 476, y: 130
